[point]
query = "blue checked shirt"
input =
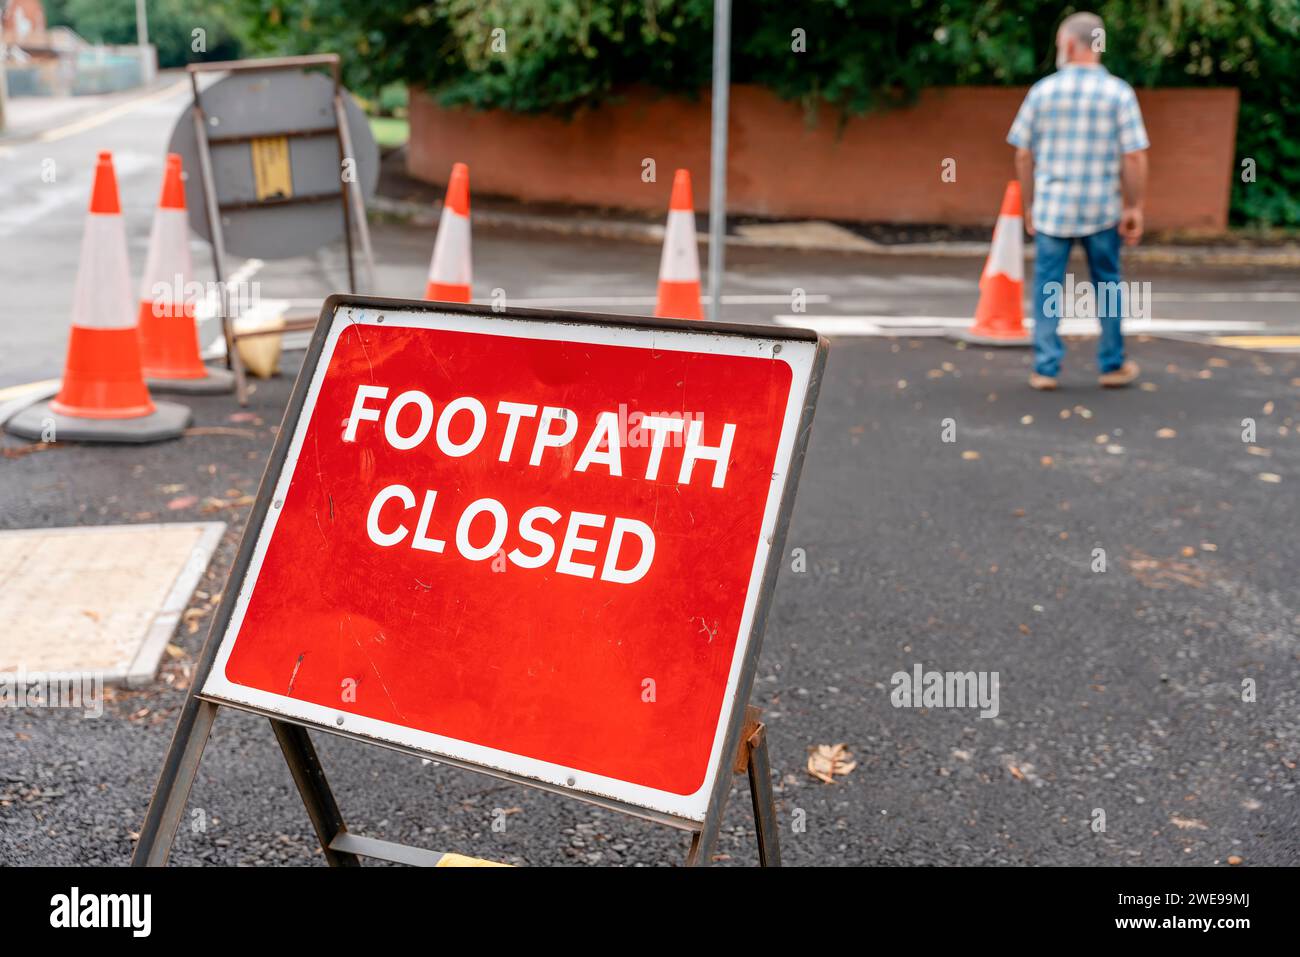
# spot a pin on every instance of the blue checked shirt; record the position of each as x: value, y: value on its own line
x: 1077, y: 122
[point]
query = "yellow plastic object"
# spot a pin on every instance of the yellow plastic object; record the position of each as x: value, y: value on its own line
x: 460, y: 860
x: 271, y: 172
x: 260, y: 354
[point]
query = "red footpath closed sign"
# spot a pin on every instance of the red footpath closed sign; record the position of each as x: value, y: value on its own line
x: 526, y: 543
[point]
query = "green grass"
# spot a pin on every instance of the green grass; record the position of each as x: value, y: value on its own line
x: 389, y: 131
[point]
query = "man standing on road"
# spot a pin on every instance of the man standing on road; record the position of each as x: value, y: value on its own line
x: 1082, y: 164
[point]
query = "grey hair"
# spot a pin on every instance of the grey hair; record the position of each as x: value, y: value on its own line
x: 1083, y: 28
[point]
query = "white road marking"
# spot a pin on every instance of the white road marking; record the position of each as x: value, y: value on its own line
x: 206, y: 311
x: 836, y: 325
x: 1275, y: 296
x: 34, y: 206
x: 739, y: 300
x: 108, y: 115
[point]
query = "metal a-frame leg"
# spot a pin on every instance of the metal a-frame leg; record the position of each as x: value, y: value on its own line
x: 354, y: 206
x: 174, y: 782
x: 752, y: 759
x: 760, y: 790
x: 213, y: 212
x: 182, y: 763
x: 309, y: 776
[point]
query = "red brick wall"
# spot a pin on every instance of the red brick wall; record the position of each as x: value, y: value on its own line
x: 884, y: 167
x: 30, y: 11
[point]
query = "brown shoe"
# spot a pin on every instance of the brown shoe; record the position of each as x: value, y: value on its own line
x: 1120, y: 377
x: 1043, y: 383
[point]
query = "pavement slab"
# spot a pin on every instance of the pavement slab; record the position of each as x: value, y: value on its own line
x: 101, y: 600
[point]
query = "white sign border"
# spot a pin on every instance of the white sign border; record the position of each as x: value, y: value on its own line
x: 800, y: 356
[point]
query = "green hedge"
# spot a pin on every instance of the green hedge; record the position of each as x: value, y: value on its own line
x: 564, y: 55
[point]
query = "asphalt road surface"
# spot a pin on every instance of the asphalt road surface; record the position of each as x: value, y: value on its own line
x: 1121, y: 692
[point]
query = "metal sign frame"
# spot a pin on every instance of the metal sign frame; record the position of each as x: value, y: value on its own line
x: 351, y: 202
x: 744, y: 741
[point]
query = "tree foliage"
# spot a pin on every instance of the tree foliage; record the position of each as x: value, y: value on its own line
x: 171, y: 26
x: 857, y: 55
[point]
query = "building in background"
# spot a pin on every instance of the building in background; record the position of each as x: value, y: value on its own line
x: 41, y: 60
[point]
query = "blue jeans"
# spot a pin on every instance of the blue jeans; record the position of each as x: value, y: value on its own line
x: 1051, y: 256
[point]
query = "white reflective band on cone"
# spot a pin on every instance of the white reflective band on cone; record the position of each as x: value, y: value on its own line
x: 451, y: 260
x: 1007, y: 254
x: 102, y: 298
x: 680, y: 262
x: 169, y: 256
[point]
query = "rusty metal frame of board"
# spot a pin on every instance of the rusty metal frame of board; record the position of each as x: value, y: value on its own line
x: 342, y: 848
x: 351, y: 202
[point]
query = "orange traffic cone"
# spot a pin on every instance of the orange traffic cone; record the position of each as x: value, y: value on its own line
x: 679, y: 268
x: 103, y: 396
x: 169, y: 340
x: 450, y: 270
x: 1000, y: 317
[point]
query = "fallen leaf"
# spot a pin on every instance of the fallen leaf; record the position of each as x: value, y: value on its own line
x: 1046, y: 461
x: 1234, y: 860
x: 1258, y: 450
x: 1268, y: 407
x: 827, y: 760
x: 1188, y: 551
x: 1188, y: 824
x: 1209, y: 547
x: 1166, y: 433
x: 1148, y: 386
x: 18, y: 451
x: 1271, y: 477
x: 970, y: 455
x: 1115, y: 449
x: 1026, y: 420
x: 191, y: 619
x: 1165, y: 573
x: 184, y: 501
x: 217, y: 504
